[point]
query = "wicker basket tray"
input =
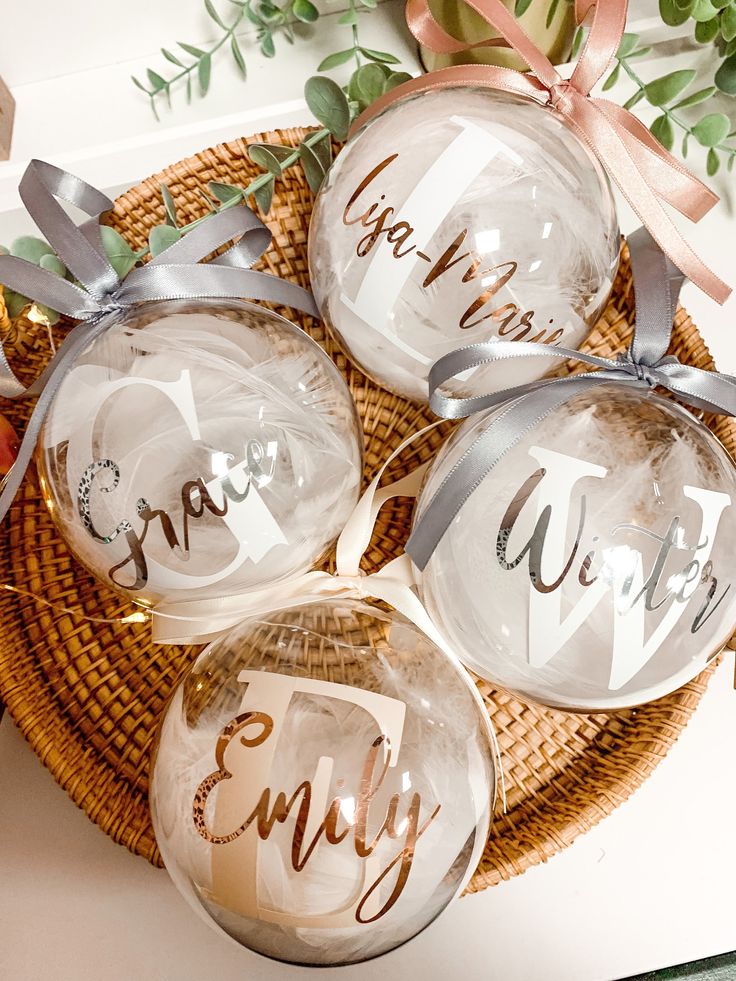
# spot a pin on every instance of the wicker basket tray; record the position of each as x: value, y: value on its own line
x: 88, y: 696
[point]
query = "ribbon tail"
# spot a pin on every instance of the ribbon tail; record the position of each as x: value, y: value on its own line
x: 53, y: 376
x: 657, y: 284
x: 710, y: 391
x: 46, y: 287
x: 393, y: 584
x: 606, y: 143
x: 660, y: 169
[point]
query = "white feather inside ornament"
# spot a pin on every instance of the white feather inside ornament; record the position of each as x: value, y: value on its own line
x: 200, y: 449
x: 456, y: 216
x: 593, y: 567
x: 323, y: 782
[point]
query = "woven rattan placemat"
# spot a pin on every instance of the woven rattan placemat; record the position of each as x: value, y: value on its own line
x: 88, y: 696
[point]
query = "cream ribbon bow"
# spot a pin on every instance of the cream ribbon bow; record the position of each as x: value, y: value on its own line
x: 200, y: 621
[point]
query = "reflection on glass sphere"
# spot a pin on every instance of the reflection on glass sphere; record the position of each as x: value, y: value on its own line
x: 458, y: 216
x: 200, y: 448
x: 323, y: 783
x: 593, y: 567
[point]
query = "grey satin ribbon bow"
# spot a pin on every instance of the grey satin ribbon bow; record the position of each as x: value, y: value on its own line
x: 657, y: 285
x: 176, y: 273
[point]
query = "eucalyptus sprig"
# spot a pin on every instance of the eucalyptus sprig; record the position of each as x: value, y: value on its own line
x: 356, y: 49
x: 335, y: 108
x: 269, y: 19
x: 331, y: 107
x: 667, y: 94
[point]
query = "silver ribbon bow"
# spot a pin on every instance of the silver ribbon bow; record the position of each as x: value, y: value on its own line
x: 657, y: 284
x: 176, y: 273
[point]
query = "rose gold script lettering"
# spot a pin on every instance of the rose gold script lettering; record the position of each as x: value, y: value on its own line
x: 272, y: 810
x: 380, y: 218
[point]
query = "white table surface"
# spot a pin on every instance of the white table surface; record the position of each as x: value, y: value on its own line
x: 651, y: 886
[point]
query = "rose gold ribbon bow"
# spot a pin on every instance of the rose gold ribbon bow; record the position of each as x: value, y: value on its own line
x: 644, y: 171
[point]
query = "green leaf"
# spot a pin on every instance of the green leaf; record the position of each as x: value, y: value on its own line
x: 204, y: 71
x: 707, y: 31
x: 122, y: 257
x: 140, y: 85
x: 703, y: 10
x: 312, y: 165
x: 635, y: 98
x: 668, y: 87
x: 265, y: 158
x: 672, y: 14
x: 276, y: 150
x: 577, y: 41
x: 612, y: 78
x: 225, y: 193
x: 15, y: 303
x: 335, y: 60
x: 661, y: 129
x: 367, y: 84
x: 329, y: 105
x: 169, y: 56
x: 305, y: 11
x: 383, y: 56
x: 728, y: 23
x: 370, y: 4
x: 264, y: 196
x: 551, y: 13
x: 4, y: 250
x: 639, y: 53
x: 349, y: 18
x: 30, y: 248
x: 702, y: 95
x: 713, y: 163
x: 711, y: 129
x: 161, y: 237
x: 169, y: 206
x: 627, y: 45
x: 685, y: 144
x: 53, y: 263
x: 394, y: 79
x: 157, y: 82
x: 212, y: 11
x: 207, y: 200
x: 238, y: 56
x: 190, y: 49
x: 323, y: 150
x: 521, y: 7
x: 730, y: 48
x: 731, y: 162
x: 268, y: 48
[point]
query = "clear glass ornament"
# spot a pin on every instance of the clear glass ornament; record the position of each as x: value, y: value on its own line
x: 323, y: 782
x: 593, y: 568
x: 456, y: 216
x: 200, y: 449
